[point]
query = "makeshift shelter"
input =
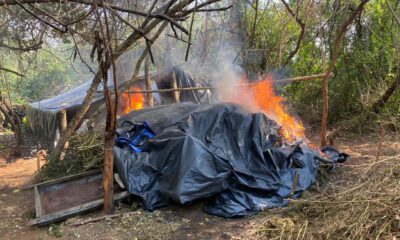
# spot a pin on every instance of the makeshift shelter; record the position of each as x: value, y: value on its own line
x: 43, y: 116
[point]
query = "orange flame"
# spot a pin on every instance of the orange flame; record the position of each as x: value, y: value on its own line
x: 260, y: 96
x: 128, y: 102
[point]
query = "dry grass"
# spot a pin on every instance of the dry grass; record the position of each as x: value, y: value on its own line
x: 369, y: 208
x: 282, y: 228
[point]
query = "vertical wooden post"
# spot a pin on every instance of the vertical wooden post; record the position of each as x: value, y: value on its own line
x: 108, y: 174
x: 108, y: 162
x: 63, y: 120
x: 175, y: 86
x: 325, y: 106
x: 63, y: 125
x: 37, y: 159
x: 148, y: 81
x: 325, y: 103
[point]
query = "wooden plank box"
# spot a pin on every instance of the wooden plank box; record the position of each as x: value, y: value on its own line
x: 62, y: 198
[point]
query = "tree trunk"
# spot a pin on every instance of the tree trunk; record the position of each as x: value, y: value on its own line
x: 18, y: 130
x: 74, y: 123
x: 108, y: 149
x: 7, y: 116
x: 14, y: 120
x: 377, y: 106
x: 146, y: 51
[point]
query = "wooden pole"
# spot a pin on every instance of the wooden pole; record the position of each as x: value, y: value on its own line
x: 63, y: 123
x: 325, y: 107
x: 108, y: 174
x: 295, y: 79
x: 37, y: 160
x: 148, y: 81
x: 63, y: 120
x: 172, y: 90
x: 108, y: 162
x: 175, y: 87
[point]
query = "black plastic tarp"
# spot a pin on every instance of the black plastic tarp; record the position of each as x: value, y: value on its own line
x: 219, y: 152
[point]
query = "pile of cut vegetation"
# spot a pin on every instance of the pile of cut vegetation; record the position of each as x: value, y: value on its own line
x: 367, y: 209
x: 85, y: 152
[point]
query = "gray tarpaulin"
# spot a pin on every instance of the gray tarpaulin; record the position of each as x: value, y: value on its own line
x: 42, y: 116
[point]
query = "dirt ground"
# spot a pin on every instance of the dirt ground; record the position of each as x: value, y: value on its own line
x: 173, y: 222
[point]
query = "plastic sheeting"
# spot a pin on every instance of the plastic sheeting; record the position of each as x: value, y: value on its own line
x: 74, y: 97
x: 42, y: 116
x: 220, y: 152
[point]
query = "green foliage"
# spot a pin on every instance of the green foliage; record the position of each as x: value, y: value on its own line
x: 85, y: 152
x: 266, y: 38
x: 367, y: 63
x: 49, y: 72
x: 24, y: 124
x: 52, y: 74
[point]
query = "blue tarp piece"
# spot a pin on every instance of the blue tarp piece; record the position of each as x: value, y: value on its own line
x: 134, y: 135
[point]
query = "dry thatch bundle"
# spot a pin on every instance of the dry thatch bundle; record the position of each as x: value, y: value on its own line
x: 367, y: 209
x: 281, y: 228
x: 85, y: 151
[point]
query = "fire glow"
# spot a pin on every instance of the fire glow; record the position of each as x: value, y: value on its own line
x: 128, y: 102
x: 260, y: 96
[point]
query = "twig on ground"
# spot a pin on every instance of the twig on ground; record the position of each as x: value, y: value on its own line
x: 116, y: 215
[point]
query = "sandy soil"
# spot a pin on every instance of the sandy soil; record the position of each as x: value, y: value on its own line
x: 173, y: 222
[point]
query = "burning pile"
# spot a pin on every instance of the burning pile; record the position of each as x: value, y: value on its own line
x: 128, y: 102
x: 260, y: 97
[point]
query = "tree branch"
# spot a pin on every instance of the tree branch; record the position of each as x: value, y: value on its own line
x: 393, y: 13
x: 95, y: 3
x: 190, y: 34
x: 33, y: 47
x: 214, y: 9
x: 299, y: 39
x: 197, y: 7
x: 41, y: 19
x: 144, y: 53
x: 11, y: 71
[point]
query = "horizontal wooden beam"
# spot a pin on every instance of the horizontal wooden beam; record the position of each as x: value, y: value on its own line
x: 62, y: 179
x: 11, y: 71
x: 285, y: 80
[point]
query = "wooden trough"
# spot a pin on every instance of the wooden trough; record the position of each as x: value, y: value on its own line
x: 62, y: 198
